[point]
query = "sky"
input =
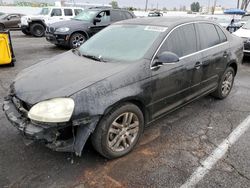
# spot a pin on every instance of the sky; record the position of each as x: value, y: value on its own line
x: 169, y: 4
x: 166, y: 3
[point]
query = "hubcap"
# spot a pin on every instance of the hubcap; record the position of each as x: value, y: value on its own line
x: 78, y: 40
x: 39, y: 30
x: 227, y: 84
x: 123, y: 131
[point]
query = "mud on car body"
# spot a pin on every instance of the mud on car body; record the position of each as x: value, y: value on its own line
x: 111, y: 89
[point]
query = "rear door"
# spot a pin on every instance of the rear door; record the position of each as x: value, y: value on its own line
x: 68, y: 13
x: 215, y: 51
x: 117, y: 15
x: 171, y: 83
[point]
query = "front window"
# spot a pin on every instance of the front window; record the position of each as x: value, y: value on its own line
x: 122, y: 42
x: 86, y: 15
x: 44, y: 11
x: 247, y: 25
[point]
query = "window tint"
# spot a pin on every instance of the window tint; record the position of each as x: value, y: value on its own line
x: 208, y: 35
x: 56, y: 12
x: 77, y: 11
x: 68, y: 12
x: 128, y: 15
x: 222, y: 35
x: 117, y: 15
x: 104, y: 16
x: 182, y: 41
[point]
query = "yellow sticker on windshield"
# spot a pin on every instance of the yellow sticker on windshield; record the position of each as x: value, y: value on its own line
x: 156, y: 28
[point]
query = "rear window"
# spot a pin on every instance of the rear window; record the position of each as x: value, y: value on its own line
x: 222, y: 35
x: 117, y: 16
x: 128, y: 15
x: 68, y: 12
x: 208, y: 35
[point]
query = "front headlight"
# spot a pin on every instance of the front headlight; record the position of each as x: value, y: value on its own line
x: 62, y: 29
x: 56, y: 110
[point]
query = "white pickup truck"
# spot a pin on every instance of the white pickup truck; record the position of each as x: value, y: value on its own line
x: 36, y: 24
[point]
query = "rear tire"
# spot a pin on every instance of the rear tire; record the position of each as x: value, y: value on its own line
x: 225, y: 84
x: 119, y: 131
x: 37, y: 30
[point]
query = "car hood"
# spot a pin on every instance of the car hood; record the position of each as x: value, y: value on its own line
x: 69, y: 23
x: 61, y: 76
x: 243, y: 33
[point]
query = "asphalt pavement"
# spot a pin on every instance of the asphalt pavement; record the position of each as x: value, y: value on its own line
x: 168, y: 154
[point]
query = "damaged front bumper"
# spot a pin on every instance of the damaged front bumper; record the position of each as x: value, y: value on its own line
x: 64, y: 137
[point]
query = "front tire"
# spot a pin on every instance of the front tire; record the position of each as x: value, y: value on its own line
x: 225, y: 84
x: 2, y: 27
x: 119, y: 131
x: 76, y: 40
x: 37, y: 30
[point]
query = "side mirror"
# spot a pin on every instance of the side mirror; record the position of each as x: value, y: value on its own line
x: 166, y: 58
x: 9, y: 17
x: 96, y: 20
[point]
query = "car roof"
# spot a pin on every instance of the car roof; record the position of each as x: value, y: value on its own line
x: 162, y: 21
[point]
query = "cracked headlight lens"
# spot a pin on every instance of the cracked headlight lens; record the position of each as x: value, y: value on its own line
x: 55, y: 110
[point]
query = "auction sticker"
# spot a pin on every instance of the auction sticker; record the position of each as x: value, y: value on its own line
x: 156, y: 28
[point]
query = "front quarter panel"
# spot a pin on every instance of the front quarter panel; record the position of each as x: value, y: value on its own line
x: 133, y: 83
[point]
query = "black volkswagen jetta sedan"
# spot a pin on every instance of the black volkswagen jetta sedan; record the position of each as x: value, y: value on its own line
x: 109, y: 90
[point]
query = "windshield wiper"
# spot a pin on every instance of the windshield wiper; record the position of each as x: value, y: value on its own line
x: 76, y: 51
x: 94, y: 57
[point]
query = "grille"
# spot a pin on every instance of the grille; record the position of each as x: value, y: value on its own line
x: 21, y: 106
x: 246, y: 45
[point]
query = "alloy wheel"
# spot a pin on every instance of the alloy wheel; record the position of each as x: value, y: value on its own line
x: 123, y: 132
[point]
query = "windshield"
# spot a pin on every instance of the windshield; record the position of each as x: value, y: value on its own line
x: 86, y: 15
x: 2, y: 16
x: 44, y: 11
x: 246, y: 25
x: 121, y: 42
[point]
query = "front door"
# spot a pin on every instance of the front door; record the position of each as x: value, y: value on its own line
x: 171, y: 82
x: 104, y: 21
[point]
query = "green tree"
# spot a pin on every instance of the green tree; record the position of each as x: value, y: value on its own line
x: 114, y: 4
x: 195, y: 7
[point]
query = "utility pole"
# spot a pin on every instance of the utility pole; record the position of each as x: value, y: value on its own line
x: 215, y: 1
x: 208, y: 7
x: 238, y: 4
x: 146, y: 6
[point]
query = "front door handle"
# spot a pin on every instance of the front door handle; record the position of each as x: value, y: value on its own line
x: 198, y: 65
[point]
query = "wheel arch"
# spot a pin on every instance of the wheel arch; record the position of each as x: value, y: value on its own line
x: 234, y: 65
x: 82, y: 32
x: 133, y: 100
x: 37, y: 21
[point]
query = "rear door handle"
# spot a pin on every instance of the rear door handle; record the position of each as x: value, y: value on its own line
x: 225, y: 54
x: 198, y: 65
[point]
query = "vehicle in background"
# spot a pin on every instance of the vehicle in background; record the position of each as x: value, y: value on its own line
x: 229, y: 23
x: 36, y: 24
x: 245, y: 18
x: 244, y: 33
x: 121, y: 80
x: 10, y: 21
x: 155, y: 14
x: 73, y: 33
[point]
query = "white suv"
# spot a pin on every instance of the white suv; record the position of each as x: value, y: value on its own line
x: 36, y: 24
